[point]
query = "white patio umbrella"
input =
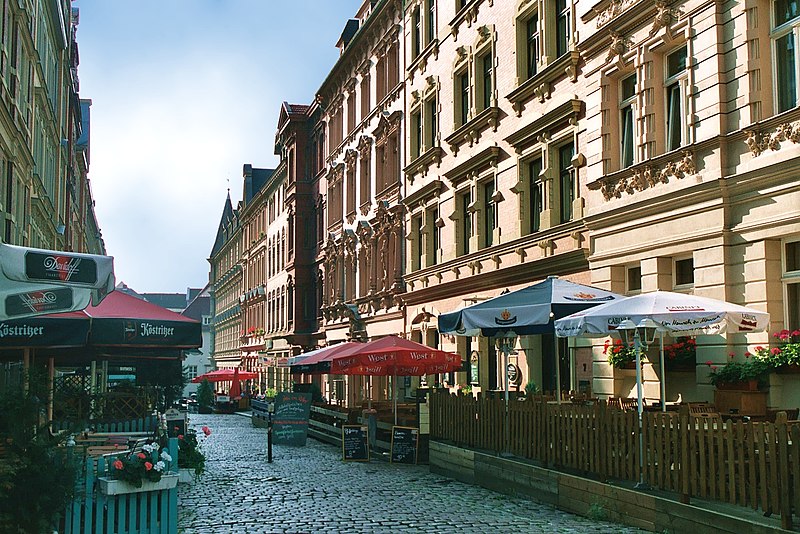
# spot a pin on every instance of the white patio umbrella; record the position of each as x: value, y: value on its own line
x: 37, y: 281
x: 676, y: 313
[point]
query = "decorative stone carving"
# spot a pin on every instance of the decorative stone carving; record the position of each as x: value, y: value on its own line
x: 759, y: 143
x: 665, y: 17
x: 648, y: 176
x: 614, y: 8
x: 619, y: 45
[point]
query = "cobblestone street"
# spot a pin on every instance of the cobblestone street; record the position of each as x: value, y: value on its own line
x: 310, y: 489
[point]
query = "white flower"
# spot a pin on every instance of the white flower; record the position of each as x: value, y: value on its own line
x: 159, y: 466
x: 165, y: 456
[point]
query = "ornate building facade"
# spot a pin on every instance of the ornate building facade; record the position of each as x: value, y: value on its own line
x: 45, y: 200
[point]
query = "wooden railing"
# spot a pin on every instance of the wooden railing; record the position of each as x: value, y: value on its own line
x: 745, y: 463
x: 143, y: 512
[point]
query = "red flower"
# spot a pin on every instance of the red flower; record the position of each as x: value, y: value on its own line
x: 775, y: 351
x: 141, y: 456
x: 747, y: 354
x: 118, y: 465
x: 709, y: 363
x: 731, y: 355
x: 180, y: 436
x: 148, y: 466
x: 713, y: 368
x: 795, y: 333
x: 206, y: 431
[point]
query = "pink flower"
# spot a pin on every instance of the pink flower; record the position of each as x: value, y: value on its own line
x: 148, y: 466
x: 206, y: 431
x: 709, y: 363
x: 775, y: 351
x: 180, y: 436
x: 141, y: 456
x: 731, y: 355
x: 118, y: 465
x: 795, y: 333
x: 759, y: 348
x: 713, y: 368
x: 747, y: 354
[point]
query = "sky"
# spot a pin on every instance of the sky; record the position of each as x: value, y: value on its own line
x: 184, y: 93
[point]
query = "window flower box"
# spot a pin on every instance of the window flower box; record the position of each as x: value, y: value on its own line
x: 112, y: 486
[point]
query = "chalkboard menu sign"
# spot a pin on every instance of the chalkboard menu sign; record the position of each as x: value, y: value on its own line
x: 355, y: 444
x: 290, y: 422
x: 404, y: 445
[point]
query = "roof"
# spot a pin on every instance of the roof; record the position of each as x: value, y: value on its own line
x: 228, y: 216
x: 171, y: 301
x: 199, y: 306
x: 254, y: 180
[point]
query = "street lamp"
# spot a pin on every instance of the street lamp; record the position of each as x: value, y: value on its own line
x: 506, y: 346
x: 638, y: 336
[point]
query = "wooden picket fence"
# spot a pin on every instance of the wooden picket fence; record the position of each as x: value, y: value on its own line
x: 753, y: 464
x: 91, y: 511
x: 138, y: 424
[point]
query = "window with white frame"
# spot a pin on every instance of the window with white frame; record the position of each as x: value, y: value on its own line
x: 461, y: 97
x: 532, y: 44
x: 566, y: 175
x: 423, y: 26
x: 563, y: 23
x: 485, y: 83
x: 535, y: 194
x: 791, y: 279
x: 464, y: 206
x: 489, y: 213
x: 433, y: 231
x: 785, y: 37
x: 416, y: 133
x: 431, y: 119
x: 417, y: 242
x: 675, y: 89
x: 627, y: 118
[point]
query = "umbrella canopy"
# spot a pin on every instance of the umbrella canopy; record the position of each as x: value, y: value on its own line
x: 38, y: 281
x: 396, y: 356
x: 225, y: 375
x: 120, y: 321
x: 527, y: 311
x: 319, y: 361
x: 677, y: 313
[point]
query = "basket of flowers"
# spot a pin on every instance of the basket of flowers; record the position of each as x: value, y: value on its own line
x: 620, y: 356
x: 147, y: 469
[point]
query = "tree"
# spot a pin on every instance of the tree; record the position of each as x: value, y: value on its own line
x: 205, y: 396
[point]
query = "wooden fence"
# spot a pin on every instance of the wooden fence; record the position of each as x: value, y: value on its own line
x: 754, y: 464
x: 92, y: 511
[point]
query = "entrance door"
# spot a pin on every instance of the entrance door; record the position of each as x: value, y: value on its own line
x: 549, y: 363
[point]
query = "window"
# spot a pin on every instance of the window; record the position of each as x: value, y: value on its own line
x: 416, y: 32
x: 562, y: 27
x: 684, y: 272
x: 416, y: 133
x: 465, y: 203
x: 792, y: 278
x: 674, y: 91
x: 486, y: 69
x: 633, y: 278
x: 430, y: 23
x: 434, y: 232
x: 532, y: 41
x: 785, y: 33
x: 419, y: 237
x: 431, y: 122
x: 351, y: 110
x: 536, y: 195
x: 627, y: 114
x: 489, y: 214
x: 462, y: 98
x: 566, y: 174
x: 191, y: 371
x: 365, y: 103
x: 365, y: 188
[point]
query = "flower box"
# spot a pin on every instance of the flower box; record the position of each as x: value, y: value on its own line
x: 789, y: 369
x: 112, y: 486
x: 742, y: 385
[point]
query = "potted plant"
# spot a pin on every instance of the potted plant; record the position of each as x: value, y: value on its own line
x: 681, y: 355
x: 620, y: 356
x: 748, y: 375
x: 191, y: 460
x: 145, y: 470
x: 785, y: 358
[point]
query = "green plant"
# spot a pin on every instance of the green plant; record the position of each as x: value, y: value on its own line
x: 205, y: 395
x: 618, y: 354
x: 531, y: 387
x: 190, y: 455
x: 270, y: 393
x: 465, y: 388
x: 787, y: 353
x: 37, y: 473
x: 736, y: 371
x: 597, y: 512
x: 136, y: 467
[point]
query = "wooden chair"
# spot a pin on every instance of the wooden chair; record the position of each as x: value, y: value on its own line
x: 626, y: 404
x: 704, y: 411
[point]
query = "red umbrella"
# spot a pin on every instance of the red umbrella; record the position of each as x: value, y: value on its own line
x: 392, y: 355
x: 319, y: 361
x: 224, y: 375
x: 236, y: 388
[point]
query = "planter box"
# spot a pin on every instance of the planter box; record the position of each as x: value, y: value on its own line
x: 753, y: 403
x: 749, y: 385
x: 789, y: 369
x: 110, y: 486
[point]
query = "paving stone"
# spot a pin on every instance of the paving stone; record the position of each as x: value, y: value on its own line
x: 310, y: 489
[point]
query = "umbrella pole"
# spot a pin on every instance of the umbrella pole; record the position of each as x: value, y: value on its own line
x: 394, y: 396
x: 558, y: 369
x: 51, y: 377
x: 663, y: 375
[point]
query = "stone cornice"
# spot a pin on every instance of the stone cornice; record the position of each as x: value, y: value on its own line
x: 527, y: 135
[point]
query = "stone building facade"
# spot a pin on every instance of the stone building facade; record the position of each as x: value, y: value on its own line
x: 631, y: 145
x: 45, y: 199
